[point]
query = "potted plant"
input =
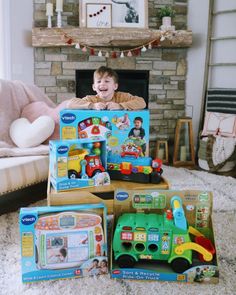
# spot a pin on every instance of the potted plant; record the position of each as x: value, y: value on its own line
x: 166, y: 13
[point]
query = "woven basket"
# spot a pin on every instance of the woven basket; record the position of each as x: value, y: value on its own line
x: 205, y: 161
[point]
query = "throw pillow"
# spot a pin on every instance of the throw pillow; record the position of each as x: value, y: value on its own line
x: 25, y: 134
x: 36, y: 109
x: 219, y: 124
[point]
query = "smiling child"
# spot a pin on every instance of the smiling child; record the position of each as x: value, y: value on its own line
x: 105, y: 84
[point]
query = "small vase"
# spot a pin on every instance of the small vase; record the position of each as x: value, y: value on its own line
x: 166, y: 21
x: 166, y: 24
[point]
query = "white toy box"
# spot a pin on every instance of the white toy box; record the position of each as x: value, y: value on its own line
x: 63, y: 242
x: 78, y: 163
x: 117, y: 127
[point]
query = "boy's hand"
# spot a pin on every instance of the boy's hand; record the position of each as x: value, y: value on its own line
x: 99, y: 106
x: 113, y: 106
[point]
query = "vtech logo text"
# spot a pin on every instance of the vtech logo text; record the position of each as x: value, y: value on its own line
x: 28, y: 219
x: 122, y: 196
x: 62, y: 149
x: 68, y: 118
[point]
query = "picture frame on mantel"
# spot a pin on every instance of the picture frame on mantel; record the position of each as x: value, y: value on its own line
x: 98, y: 15
x: 125, y: 13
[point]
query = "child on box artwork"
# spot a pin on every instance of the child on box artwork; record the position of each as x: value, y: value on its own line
x: 105, y: 84
x: 138, y: 133
x: 103, y: 267
x: 57, y: 256
x: 94, y: 268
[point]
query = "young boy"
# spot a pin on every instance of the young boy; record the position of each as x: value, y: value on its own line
x: 138, y: 132
x: 105, y: 83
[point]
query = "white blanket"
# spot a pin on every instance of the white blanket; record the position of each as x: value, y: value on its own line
x: 223, y: 148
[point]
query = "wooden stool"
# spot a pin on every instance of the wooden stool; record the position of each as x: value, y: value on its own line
x: 162, y: 151
x: 183, y: 146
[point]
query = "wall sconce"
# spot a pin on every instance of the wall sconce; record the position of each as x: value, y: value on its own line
x: 184, y: 154
x: 162, y: 151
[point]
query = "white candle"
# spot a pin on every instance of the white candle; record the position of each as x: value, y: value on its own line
x: 160, y: 154
x: 59, y: 5
x: 49, y: 9
x: 183, y: 153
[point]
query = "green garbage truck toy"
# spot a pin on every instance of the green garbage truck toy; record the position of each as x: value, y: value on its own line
x: 151, y: 236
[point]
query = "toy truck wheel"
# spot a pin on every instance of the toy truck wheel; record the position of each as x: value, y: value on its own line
x: 95, y: 172
x: 72, y: 174
x: 126, y: 261
x: 179, y: 265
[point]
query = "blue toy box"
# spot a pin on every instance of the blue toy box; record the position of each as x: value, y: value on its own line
x: 78, y: 163
x: 63, y: 242
x: 117, y: 127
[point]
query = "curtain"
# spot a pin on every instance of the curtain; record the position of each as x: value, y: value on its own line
x: 5, y: 40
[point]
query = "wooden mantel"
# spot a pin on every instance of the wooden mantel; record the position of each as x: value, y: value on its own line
x: 114, y: 37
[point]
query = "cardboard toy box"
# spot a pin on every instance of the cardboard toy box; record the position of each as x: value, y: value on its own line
x: 163, y: 235
x: 116, y: 126
x: 63, y: 242
x: 97, y: 194
x: 78, y: 163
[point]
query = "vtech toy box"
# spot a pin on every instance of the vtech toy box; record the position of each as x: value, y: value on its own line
x: 78, y: 163
x: 118, y: 127
x: 163, y: 235
x: 63, y: 242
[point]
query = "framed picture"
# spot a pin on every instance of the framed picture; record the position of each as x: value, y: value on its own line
x: 98, y: 15
x: 124, y: 13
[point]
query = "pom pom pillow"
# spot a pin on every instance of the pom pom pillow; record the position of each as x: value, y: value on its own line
x: 25, y: 134
x: 219, y: 123
x: 36, y: 109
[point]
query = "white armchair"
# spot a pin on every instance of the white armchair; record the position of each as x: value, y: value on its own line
x: 23, y: 172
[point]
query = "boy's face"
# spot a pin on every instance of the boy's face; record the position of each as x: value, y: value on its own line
x: 137, y: 124
x: 105, y: 87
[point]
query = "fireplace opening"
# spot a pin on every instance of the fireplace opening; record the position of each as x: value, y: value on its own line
x: 135, y: 82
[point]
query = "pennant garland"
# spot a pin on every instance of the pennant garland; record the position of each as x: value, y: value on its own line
x: 118, y: 53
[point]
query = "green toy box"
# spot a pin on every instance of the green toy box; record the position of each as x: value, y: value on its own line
x: 63, y: 242
x: 163, y: 235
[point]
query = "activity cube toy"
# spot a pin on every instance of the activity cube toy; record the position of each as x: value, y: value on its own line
x: 162, y: 235
x: 78, y: 163
x: 63, y: 242
x: 115, y: 126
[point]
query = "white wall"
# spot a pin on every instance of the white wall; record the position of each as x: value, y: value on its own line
x: 197, y: 22
x: 223, y: 51
x: 21, y: 19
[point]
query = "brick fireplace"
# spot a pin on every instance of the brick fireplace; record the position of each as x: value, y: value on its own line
x: 55, y: 67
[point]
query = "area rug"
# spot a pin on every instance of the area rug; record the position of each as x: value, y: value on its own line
x: 224, y: 219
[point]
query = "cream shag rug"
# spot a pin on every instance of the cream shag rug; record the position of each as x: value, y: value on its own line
x: 224, y: 219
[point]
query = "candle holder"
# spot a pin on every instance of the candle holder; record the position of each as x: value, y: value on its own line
x: 49, y: 21
x: 59, y: 18
x: 162, y: 151
x: 184, y: 154
x: 49, y: 13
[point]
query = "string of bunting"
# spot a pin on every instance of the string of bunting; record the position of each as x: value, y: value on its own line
x: 116, y: 53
